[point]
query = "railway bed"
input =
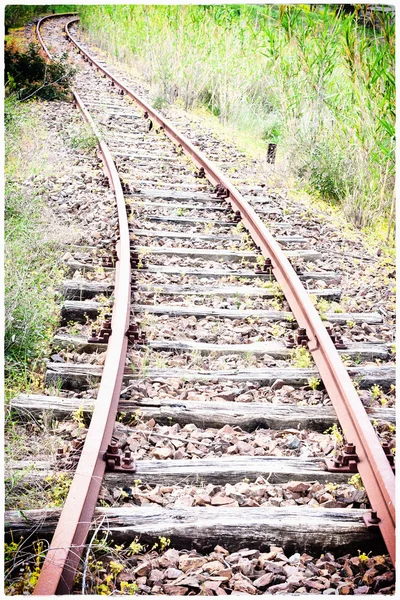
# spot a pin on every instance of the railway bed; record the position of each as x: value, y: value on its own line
x: 214, y: 417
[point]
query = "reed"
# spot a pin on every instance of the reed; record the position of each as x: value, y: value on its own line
x: 317, y: 82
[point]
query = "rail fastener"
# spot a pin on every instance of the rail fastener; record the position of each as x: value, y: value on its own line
x: 104, y: 333
x: 136, y: 337
x: 371, y: 520
x: 118, y: 461
x: 345, y: 462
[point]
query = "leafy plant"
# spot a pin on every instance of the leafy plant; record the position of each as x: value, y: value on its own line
x: 356, y: 481
x: 301, y: 358
x: 28, y: 75
x: 336, y: 432
x: 313, y: 383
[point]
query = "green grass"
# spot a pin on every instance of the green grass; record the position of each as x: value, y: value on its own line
x: 319, y: 84
x: 32, y: 250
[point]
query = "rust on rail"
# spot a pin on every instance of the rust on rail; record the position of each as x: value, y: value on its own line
x: 58, y: 571
x: 373, y: 466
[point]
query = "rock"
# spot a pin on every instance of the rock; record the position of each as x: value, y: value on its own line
x: 294, y: 559
x: 156, y: 575
x: 293, y: 442
x: 172, y: 573
x: 220, y: 500
x: 175, y: 590
x: 266, y: 556
x: 143, y: 568
x: 334, y: 504
x: 287, y: 389
x: 213, y: 566
x: 247, y: 566
x: 344, y: 589
x: 221, y: 550
x: 271, y: 567
x: 179, y: 454
x: 162, y: 453
x: 316, y: 584
x: 278, y: 384
x: 226, y: 429
x: 281, y: 587
x: 57, y: 358
x: 243, y: 488
x: 191, y: 562
x: 276, y: 501
x: 202, y: 499
x: 184, y: 501
x: 211, y: 585
x: 170, y: 558
x: 297, y: 487
x: 264, y: 580
x: 384, y: 580
x: 363, y: 589
x: 242, y: 585
x: 190, y: 580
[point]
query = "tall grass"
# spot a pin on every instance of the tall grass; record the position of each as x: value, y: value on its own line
x: 317, y: 82
x: 33, y: 242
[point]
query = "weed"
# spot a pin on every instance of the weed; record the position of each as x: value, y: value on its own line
x: 313, y: 383
x: 159, y: 102
x: 15, y: 554
x: 336, y: 432
x: 376, y: 391
x: 356, y: 481
x: 83, y: 139
x: 58, y: 488
x: 135, y: 547
x: 260, y: 260
x: 162, y: 544
x: 331, y: 486
x: 301, y: 358
x: 276, y: 304
x: 363, y: 557
x: 323, y: 305
x: 78, y: 416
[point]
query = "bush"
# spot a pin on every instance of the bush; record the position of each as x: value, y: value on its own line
x: 28, y: 74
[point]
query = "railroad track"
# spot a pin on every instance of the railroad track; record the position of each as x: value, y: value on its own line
x: 202, y: 313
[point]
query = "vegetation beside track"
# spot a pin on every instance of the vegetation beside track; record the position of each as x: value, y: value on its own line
x: 317, y: 83
x: 17, y: 15
x: 33, y: 243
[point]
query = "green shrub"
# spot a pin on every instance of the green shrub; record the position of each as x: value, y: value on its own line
x: 28, y: 74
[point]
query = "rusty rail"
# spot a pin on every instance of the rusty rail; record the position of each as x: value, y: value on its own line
x: 58, y: 571
x: 373, y: 465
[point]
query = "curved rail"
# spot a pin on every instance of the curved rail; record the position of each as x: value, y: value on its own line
x: 58, y: 571
x: 373, y: 465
